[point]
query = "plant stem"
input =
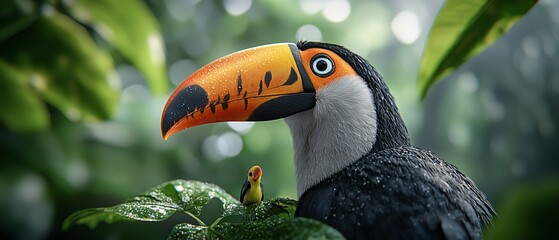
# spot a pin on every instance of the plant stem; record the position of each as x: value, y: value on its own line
x: 200, y: 222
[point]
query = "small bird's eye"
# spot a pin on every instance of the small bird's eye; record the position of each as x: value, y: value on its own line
x: 250, y: 174
x: 322, y: 65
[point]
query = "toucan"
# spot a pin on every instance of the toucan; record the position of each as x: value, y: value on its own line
x: 252, y: 190
x: 355, y: 167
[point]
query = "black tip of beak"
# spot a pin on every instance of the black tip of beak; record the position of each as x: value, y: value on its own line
x: 185, y: 102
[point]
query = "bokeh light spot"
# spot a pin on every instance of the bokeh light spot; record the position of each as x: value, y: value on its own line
x: 405, y: 27
x: 468, y: 82
x: 309, y: 32
x: 77, y: 173
x: 209, y: 149
x: 311, y: 6
x: 156, y: 48
x: 229, y: 144
x: 531, y: 46
x: 237, y: 7
x: 241, y: 127
x: 336, y: 10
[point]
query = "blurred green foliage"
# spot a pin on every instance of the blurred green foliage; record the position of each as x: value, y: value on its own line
x: 71, y: 76
x: 462, y: 30
x: 46, y: 47
x: 530, y: 212
x: 495, y: 117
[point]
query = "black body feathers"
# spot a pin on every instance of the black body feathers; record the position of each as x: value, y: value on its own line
x: 399, y: 193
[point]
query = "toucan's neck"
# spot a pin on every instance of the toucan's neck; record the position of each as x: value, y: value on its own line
x: 255, y: 184
x: 339, y: 130
x: 392, y: 131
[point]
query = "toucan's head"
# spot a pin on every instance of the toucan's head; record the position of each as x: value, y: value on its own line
x: 254, y: 174
x: 334, y: 102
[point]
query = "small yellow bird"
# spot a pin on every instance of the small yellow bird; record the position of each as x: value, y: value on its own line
x: 252, y: 189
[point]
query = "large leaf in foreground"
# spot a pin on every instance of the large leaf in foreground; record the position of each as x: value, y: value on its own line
x: 464, y: 28
x: 269, y: 219
x: 68, y: 70
x: 157, y: 204
x: 131, y: 29
x: 274, y: 227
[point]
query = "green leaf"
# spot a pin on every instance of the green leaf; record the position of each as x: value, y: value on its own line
x: 157, y: 204
x: 464, y: 28
x: 25, y: 111
x: 186, y: 231
x: 68, y: 70
x: 274, y: 227
x: 268, y: 219
x: 132, y: 30
x: 266, y: 209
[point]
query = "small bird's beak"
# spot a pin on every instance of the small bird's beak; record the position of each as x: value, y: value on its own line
x: 257, y: 84
x: 256, y: 173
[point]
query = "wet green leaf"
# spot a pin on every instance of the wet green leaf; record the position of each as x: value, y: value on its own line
x: 186, y: 231
x: 132, y: 30
x: 462, y: 30
x: 26, y: 112
x: 266, y: 209
x: 68, y: 70
x: 274, y: 227
x: 268, y: 219
x: 157, y: 204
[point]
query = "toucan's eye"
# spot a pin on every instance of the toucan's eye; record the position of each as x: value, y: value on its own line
x: 322, y: 65
x: 250, y: 174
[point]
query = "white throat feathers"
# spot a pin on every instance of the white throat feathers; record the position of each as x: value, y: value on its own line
x: 339, y: 130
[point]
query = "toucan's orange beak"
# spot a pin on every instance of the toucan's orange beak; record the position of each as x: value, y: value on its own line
x: 256, y: 84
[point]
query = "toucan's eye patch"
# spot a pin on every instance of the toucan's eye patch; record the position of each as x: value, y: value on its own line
x: 322, y: 65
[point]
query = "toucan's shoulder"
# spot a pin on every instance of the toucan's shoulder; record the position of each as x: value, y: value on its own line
x: 412, y: 157
x: 400, y: 183
x: 423, y: 168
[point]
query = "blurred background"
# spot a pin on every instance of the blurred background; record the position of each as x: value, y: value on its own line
x: 496, y: 118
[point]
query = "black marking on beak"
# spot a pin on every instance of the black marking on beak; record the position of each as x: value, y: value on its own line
x: 239, y: 84
x: 292, y: 78
x: 268, y: 78
x: 212, y: 106
x: 187, y: 101
x: 225, y: 103
x: 246, y: 100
